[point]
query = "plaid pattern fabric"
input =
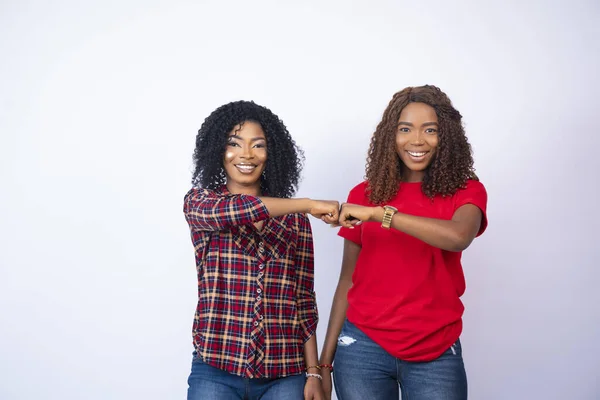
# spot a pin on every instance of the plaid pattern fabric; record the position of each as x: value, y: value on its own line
x: 256, y: 300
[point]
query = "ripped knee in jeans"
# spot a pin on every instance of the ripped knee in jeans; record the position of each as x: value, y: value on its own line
x: 345, y: 340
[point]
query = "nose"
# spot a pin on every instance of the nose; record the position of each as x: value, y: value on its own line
x: 417, y: 139
x: 247, y: 152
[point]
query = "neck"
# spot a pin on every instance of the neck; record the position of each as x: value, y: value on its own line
x: 412, y: 176
x: 250, y: 190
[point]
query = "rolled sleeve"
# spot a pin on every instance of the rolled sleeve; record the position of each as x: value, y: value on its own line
x: 306, y: 302
x: 206, y: 210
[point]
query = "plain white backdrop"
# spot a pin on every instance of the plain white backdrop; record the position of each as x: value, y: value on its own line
x: 100, y: 102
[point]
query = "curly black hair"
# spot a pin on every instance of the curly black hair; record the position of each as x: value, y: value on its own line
x: 284, y: 158
x: 452, y: 165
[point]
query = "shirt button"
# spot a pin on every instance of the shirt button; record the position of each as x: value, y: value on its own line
x: 258, y: 290
x: 258, y: 298
x: 260, y: 274
x: 261, y: 266
x: 261, y: 250
x: 255, y: 323
x: 260, y: 317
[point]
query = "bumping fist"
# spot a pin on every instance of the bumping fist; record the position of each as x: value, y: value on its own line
x: 326, y: 210
x: 352, y: 214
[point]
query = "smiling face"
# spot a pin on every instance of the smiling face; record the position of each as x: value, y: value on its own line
x: 416, y: 140
x: 245, y: 158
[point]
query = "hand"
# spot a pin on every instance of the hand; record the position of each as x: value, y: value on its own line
x: 326, y: 210
x: 326, y: 383
x: 313, y: 389
x: 353, y: 214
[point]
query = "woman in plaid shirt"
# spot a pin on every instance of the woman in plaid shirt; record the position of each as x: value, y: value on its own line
x: 254, y: 326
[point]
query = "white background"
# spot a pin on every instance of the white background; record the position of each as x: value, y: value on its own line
x: 99, y: 106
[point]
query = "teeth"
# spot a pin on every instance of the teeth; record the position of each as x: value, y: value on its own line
x: 246, y: 167
x: 417, y: 154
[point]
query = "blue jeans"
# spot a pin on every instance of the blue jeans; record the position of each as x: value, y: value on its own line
x: 364, y: 370
x: 210, y: 383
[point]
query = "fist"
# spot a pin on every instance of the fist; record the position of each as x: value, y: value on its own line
x: 353, y: 214
x: 326, y: 210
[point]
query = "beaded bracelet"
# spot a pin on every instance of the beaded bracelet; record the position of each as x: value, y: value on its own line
x: 326, y: 366
x: 312, y: 366
x: 309, y: 375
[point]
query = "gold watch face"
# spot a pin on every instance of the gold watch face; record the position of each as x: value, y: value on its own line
x: 388, y: 212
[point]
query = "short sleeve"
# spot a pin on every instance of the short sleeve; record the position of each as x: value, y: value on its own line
x: 356, y: 196
x: 474, y: 193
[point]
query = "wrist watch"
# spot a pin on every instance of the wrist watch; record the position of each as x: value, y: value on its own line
x: 388, y: 213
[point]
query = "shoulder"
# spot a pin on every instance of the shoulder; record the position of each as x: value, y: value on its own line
x: 300, y: 221
x: 358, y: 194
x: 360, y: 188
x: 473, y: 186
x: 294, y: 227
x: 474, y: 193
x: 198, y: 193
x: 203, y: 193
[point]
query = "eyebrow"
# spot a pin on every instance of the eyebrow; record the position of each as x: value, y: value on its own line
x: 252, y: 140
x: 411, y: 124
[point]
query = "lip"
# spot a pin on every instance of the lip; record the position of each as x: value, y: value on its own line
x: 246, y: 169
x: 417, y: 156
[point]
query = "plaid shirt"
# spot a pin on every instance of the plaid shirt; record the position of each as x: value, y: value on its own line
x: 256, y: 301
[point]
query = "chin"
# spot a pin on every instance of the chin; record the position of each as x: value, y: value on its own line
x: 248, y: 180
x: 420, y: 167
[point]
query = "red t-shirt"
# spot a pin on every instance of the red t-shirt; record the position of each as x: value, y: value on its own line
x: 406, y: 293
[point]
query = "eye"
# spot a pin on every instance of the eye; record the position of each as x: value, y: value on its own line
x: 431, y: 131
x: 403, y: 129
x: 232, y: 144
x: 260, y: 145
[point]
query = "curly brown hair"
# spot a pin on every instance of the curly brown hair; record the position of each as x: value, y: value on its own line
x: 452, y: 165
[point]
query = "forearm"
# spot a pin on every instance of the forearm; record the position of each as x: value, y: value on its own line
x: 278, y: 207
x: 444, y: 234
x: 336, y: 321
x: 311, y: 357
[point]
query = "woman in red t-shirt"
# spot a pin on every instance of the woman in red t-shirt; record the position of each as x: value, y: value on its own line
x: 397, y: 315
